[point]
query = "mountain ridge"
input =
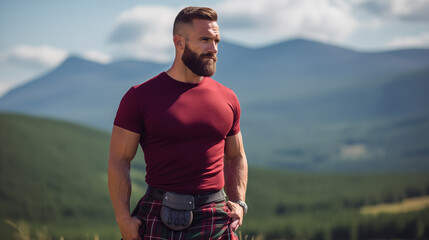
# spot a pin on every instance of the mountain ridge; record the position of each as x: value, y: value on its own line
x: 287, y: 91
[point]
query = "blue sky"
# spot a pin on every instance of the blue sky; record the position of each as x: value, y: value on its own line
x: 36, y: 36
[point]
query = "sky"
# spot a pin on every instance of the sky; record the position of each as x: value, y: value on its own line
x: 36, y: 36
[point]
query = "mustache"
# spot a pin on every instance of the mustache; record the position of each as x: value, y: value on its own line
x: 209, y: 55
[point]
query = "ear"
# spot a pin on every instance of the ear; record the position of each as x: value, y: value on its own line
x: 179, y: 42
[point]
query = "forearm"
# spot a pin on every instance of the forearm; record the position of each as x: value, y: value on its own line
x: 119, y: 182
x: 235, y: 171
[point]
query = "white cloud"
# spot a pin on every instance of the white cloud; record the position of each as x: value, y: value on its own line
x: 408, y: 10
x: 421, y: 40
x: 35, y: 56
x: 145, y: 32
x: 274, y: 20
x: 96, y: 56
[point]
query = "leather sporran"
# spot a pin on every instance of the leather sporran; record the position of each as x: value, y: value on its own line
x: 176, y: 210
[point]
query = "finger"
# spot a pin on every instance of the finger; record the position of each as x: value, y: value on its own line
x: 229, y: 203
x: 138, y: 223
x: 235, y: 224
x: 236, y: 213
x: 232, y: 206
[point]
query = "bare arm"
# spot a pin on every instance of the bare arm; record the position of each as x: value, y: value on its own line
x: 235, y: 171
x: 123, y: 147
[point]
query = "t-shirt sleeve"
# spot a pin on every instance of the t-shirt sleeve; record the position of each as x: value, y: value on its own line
x: 129, y: 114
x: 237, y: 113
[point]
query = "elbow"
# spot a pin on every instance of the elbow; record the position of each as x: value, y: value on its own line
x: 235, y: 158
x: 114, y: 164
x: 229, y: 158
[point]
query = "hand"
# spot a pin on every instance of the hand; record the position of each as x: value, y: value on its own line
x: 236, y: 214
x: 129, y: 228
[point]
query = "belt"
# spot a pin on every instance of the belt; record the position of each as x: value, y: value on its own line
x: 200, y: 199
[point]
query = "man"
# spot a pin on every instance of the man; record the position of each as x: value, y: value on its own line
x: 188, y: 127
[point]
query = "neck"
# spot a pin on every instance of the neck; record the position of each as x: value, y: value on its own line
x: 181, y: 73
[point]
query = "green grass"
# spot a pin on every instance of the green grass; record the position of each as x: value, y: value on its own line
x: 311, y: 205
x: 54, y: 174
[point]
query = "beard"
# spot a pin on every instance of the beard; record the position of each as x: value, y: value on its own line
x: 197, y: 63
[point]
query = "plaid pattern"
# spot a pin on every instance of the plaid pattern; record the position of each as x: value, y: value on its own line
x: 210, y: 222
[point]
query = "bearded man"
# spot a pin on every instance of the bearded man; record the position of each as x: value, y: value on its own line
x: 188, y: 126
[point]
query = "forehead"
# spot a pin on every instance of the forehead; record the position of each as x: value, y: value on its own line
x: 205, y: 28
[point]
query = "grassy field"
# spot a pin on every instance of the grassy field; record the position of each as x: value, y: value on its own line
x: 53, y: 175
x: 328, y: 206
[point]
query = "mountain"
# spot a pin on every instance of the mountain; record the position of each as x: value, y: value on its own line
x: 301, y: 68
x: 404, y: 94
x: 306, y: 100
x: 79, y: 90
x: 293, y: 71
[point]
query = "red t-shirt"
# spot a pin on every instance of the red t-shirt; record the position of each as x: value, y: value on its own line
x: 183, y: 128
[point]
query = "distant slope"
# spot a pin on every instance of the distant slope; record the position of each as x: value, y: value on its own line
x: 89, y: 92
x: 80, y: 91
x: 56, y: 163
x: 53, y: 172
x: 407, y: 93
x: 301, y: 68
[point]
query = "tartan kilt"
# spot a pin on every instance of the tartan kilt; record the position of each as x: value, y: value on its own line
x: 211, y: 221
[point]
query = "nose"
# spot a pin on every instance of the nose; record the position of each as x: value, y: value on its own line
x: 213, y: 47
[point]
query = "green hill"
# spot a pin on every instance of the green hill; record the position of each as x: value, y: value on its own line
x: 54, y: 174
x: 293, y: 205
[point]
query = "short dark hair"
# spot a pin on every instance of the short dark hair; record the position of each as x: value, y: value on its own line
x: 188, y: 14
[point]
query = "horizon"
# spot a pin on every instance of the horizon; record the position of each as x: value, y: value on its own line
x: 134, y: 58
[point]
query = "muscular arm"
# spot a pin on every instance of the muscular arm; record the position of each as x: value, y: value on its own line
x: 123, y: 147
x: 235, y: 171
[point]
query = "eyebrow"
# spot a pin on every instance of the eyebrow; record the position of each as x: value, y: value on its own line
x: 217, y: 37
